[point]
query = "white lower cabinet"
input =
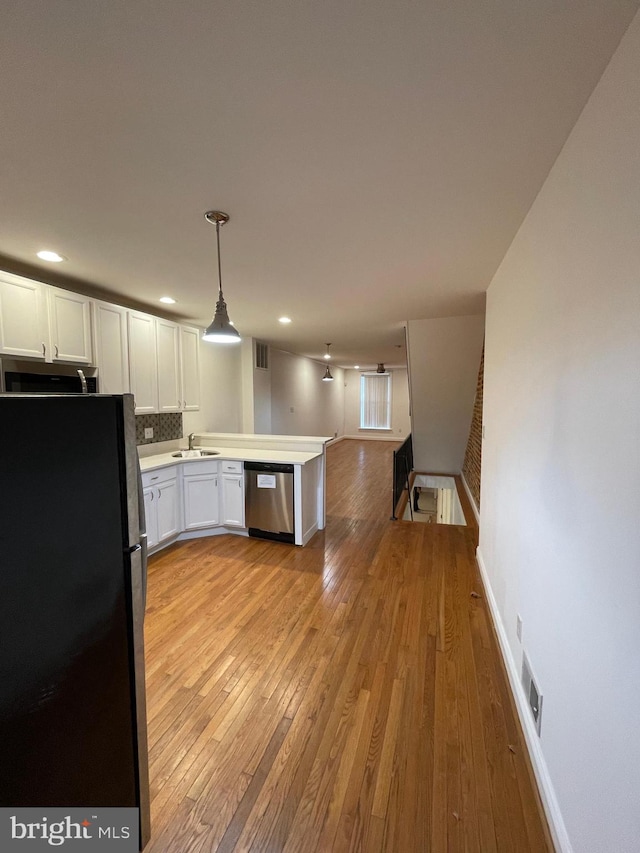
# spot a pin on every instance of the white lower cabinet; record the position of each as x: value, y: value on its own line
x: 206, y: 493
x: 161, y: 504
x: 201, y: 495
x: 232, y: 489
x: 151, y: 517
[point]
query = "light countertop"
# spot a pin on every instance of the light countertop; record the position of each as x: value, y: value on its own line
x: 242, y: 454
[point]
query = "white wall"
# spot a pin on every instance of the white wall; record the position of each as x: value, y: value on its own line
x: 444, y: 357
x: 296, y: 383
x: 400, y: 423
x: 220, y: 391
x: 245, y: 388
x: 560, y: 521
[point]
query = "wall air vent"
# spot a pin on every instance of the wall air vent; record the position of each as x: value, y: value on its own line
x: 262, y: 356
x: 532, y: 693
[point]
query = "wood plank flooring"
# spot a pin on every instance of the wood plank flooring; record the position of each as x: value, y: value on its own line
x: 345, y: 696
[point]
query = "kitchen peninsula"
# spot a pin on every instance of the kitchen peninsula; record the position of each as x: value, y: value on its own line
x: 189, y: 497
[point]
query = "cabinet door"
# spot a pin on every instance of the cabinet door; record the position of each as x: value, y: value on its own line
x: 143, y: 368
x: 168, y: 347
x: 112, y: 349
x: 151, y: 515
x: 201, y: 502
x: 70, y: 321
x: 167, y: 509
x: 233, y: 499
x: 23, y: 318
x: 190, y: 368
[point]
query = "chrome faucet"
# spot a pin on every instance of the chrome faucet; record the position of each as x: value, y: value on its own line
x: 192, y: 436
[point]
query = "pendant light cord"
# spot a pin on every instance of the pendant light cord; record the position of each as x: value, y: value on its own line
x: 219, y: 265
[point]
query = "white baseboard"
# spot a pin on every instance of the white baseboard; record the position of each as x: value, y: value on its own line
x: 471, y: 498
x: 548, y: 796
x: 376, y: 437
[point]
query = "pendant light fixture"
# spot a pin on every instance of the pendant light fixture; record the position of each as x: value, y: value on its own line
x: 327, y: 374
x: 380, y: 368
x: 220, y: 331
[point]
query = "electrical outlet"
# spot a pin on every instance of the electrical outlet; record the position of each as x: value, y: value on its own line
x: 148, y: 432
x: 519, y: 626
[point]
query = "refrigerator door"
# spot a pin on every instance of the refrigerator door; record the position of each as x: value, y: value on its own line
x: 72, y: 713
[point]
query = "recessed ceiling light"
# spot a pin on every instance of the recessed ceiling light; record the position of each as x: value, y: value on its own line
x: 54, y: 257
x: 168, y: 300
x: 356, y: 367
x: 284, y: 320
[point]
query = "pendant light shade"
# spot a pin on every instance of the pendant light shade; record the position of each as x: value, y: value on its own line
x: 380, y: 368
x: 220, y: 330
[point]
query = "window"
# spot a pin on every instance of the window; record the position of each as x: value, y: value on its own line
x: 375, y: 401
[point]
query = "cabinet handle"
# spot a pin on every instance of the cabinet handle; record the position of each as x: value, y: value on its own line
x: 44, y: 350
x: 151, y: 493
x: 154, y: 478
x: 56, y: 350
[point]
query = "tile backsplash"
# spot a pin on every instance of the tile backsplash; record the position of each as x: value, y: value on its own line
x: 166, y: 427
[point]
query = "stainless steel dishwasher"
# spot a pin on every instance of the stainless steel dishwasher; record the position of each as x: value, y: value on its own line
x: 268, y: 500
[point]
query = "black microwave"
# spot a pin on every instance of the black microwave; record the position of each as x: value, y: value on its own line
x: 47, y: 383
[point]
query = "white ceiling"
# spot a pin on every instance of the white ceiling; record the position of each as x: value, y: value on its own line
x: 376, y: 157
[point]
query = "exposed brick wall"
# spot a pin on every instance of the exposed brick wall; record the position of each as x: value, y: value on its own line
x: 473, y: 455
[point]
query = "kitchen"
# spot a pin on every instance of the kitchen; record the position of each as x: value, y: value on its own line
x: 68, y: 346
x: 382, y: 164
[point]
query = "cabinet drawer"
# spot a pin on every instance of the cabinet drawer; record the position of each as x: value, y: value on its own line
x: 202, y: 466
x: 160, y: 475
x: 229, y: 467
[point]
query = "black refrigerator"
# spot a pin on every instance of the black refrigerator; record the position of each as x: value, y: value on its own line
x: 72, y: 597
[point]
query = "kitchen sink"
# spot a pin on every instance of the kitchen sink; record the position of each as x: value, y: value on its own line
x: 194, y: 454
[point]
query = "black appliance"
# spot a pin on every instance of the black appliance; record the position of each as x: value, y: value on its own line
x: 49, y: 383
x: 72, y: 581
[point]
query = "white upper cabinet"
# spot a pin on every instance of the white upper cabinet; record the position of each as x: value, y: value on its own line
x: 112, y: 348
x: 143, y: 366
x: 163, y: 364
x: 24, y: 331
x: 190, y: 367
x: 70, y: 324
x: 156, y: 360
x: 168, y: 353
x: 42, y: 322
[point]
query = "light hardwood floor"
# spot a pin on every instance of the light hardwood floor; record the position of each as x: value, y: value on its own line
x: 345, y: 696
